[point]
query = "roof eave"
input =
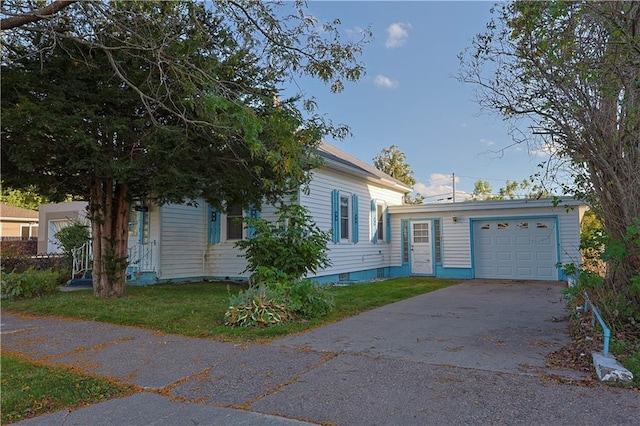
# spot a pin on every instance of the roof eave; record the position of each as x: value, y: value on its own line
x: 366, y: 175
x: 486, y: 205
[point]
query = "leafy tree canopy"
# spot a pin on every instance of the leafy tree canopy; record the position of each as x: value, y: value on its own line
x: 393, y: 162
x: 163, y: 101
x: 571, y: 69
x: 26, y: 198
x: 482, y: 190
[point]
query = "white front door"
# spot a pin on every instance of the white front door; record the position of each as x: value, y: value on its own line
x: 421, y: 253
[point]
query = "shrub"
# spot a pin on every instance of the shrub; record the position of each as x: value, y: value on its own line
x: 278, y: 256
x: 30, y: 283
x: 307, y: 300
x: 256, y: 307
x: 294, y: 245
x: 267, y: 305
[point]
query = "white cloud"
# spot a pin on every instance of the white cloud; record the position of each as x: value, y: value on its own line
x: 545, y: 150
x: 439, y: 189
x: 487, y: 142
x: 384, y: 81
x: 397, y: 34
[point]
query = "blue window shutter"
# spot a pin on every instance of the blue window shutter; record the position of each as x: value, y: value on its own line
x: 354, y: 212
x: 335, y: 215
x: 374, y: 222
x: 387, y: 218
x: 213, y: 226
x: 253, y: 214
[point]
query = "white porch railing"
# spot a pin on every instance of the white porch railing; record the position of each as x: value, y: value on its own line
x: 82, y: 259
x: 140, y: 258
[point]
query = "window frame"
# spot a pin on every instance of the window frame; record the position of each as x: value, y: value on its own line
x: 380, y: 222
x: 232, y: 223
x: 344, y: 236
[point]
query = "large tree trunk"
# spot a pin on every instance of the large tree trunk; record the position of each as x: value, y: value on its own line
x: 109, y: 210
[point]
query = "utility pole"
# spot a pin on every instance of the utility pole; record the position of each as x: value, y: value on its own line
x: 454, y: 188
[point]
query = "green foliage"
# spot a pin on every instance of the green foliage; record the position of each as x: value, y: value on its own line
x: 26, y: 198
x: 31, y: 283
x: 482, y: 190
x: 72, y: 236
x: 88, y: 112
x: 393, y: 162
x: 617, y: 307
x: 307, y: 300
x: 276, y: 302
x: 528, y: 67
x: 288, y: 249
x: 30, y: 389
x: 257, y: 307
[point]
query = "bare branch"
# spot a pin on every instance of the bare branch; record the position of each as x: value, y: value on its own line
x: 37, y: 15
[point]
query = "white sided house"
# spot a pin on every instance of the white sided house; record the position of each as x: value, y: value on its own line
x: 508, y: 239
x: 374, y: 234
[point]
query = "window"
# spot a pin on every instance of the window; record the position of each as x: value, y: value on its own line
x: 134, y: 225
x: 420, y: 233
x: 404, y: 225
x: 523, y: 225
x: 24, y: 232
x: 503, y: 225
x: 380, y: 224
x: 234, y: 223
x: 344, y: 217
x: 437, y: 236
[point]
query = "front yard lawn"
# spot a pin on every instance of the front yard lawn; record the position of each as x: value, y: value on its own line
x: 198, y: 309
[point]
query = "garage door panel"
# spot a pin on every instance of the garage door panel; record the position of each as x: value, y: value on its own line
x: 515, y: 249
x: 524, y: 271
x: 544, y: 256
x: 503, y: 241
x: 504, y: 255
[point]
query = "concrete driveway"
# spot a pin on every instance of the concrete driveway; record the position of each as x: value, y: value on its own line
x: 491, y: 325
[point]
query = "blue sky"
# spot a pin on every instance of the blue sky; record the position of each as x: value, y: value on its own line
x: 410, y: 98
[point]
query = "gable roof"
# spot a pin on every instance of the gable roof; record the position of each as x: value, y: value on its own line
x: 12, y: 212
x: 340, y: 160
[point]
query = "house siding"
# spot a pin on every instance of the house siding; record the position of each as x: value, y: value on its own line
x: 223, y: 260
x: 350, y: 257
x: 457, y: 236
x: 182, y: 236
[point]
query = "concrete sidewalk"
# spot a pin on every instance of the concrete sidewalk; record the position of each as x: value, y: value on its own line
x: 467, y: 354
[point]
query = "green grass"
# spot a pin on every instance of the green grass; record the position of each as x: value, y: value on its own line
x: 30, y: 390
x: 629, y: 356
x: 198, y: 309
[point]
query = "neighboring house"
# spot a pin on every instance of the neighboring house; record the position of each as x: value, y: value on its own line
x: 374, y: 234
x: 18, y: 223
x: 54, y: 217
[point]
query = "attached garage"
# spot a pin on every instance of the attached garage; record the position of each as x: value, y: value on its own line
x: 506, y: 239
x: 523, y: 248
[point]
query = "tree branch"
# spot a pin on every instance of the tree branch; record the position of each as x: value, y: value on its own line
x: 36, y: 15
